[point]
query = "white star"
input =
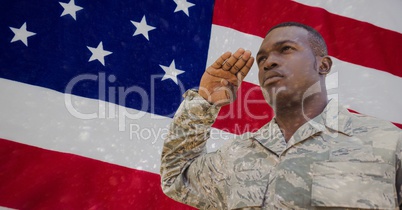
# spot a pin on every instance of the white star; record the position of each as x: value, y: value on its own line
x: 21, y: 34
x: 183, y: 5
x: 98, y: 53
x: 171, y: 72
x: 142, y: 27
x: 70, y: 9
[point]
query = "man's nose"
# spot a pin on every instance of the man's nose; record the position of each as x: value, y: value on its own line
x: 271, y: 62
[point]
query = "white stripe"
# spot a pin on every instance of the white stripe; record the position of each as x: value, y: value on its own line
x: 385, y: 14
x: 5, y: 208
x: 40, y: 117
x: 369, y: 91
x: 362, y: 89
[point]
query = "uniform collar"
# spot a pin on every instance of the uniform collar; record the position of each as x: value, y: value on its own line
x: 334, y: 118
x: 337, y: 118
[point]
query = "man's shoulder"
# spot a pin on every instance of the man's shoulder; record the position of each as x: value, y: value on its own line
x: 381, y: 133
x: 372, y: 123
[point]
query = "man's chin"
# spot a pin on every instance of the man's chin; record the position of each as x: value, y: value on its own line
x: 273, y: 94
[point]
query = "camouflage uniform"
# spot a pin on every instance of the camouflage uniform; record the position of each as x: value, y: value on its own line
x: 337, y: 160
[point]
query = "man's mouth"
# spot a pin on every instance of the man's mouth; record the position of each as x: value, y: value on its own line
x: 271, y: 78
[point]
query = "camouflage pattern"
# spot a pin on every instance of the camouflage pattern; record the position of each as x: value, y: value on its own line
x: 337, y: 160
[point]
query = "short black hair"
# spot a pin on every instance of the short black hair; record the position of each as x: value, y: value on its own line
x: 317, y: 42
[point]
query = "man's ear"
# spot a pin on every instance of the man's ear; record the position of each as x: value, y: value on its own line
x: 325, y: 65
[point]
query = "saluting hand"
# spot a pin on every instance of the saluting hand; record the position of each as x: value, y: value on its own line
x: 220, y: 81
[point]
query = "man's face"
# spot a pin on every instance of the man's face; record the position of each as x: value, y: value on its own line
x: 287, y: 65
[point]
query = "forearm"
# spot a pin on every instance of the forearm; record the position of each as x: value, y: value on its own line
x: 187, y: 138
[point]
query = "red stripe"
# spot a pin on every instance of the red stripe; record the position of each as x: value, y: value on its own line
x: 34, y: 178
x: 348, y: 39
x: 248, y: 112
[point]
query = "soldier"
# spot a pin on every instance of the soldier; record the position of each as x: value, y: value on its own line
x: 313, y: 154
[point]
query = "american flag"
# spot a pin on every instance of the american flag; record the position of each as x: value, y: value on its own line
x: 88, y: 88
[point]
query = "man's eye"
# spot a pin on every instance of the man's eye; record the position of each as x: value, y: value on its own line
x: 286, y: 48
x: 261, y: 60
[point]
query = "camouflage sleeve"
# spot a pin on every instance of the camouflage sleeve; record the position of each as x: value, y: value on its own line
x: 187, y: 171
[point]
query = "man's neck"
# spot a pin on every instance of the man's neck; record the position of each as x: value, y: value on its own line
x: 290, y: 117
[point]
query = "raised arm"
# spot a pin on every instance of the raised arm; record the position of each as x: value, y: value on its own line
x: 188, y: 173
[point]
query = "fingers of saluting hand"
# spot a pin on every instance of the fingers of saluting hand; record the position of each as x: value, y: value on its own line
x: 221, y: 60
x: 232, y: 67
x: 246, y: 64
x: 239, y: 62
x: 230, y: 63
